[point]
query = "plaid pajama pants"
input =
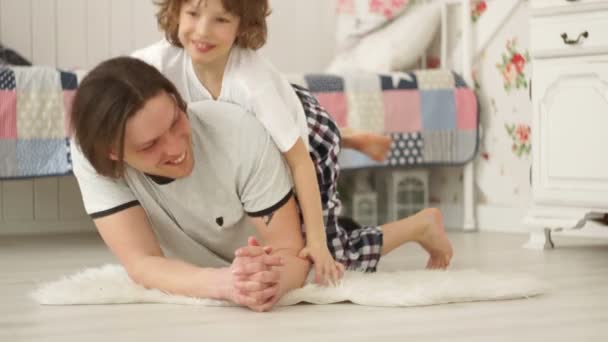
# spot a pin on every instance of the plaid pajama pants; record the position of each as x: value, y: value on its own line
x: 357, y: 248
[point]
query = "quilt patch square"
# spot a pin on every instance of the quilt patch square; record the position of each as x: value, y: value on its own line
x: 8, y: 114
x: 366, y: 111
x: 449, y: 146
x: 37, y: 79
x: 68, y: 101
x: 324, y: 83
x: 466, y: 145
x: 406, y: 149
x: 466, y: 109
x: 402, y: 111
x: 438, y: 110
x: 40, y: 115
x: 42, y: 157
x: 435, y: 79
x: 440, y: 146
x: 8, y: 158
x: 336, y: 105
x: 69, y: 81
x: 399, y: 80
x: 363, y: 83
x: 459, y: 81
x: 7, y: 79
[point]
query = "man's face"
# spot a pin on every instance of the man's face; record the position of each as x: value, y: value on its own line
x: 158, y: 139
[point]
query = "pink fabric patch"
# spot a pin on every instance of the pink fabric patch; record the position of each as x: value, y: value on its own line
x: 466, y: 109
x: 335, y: 104
x: 68, y: 100
x: 402, y: 111
x: 8, y: 114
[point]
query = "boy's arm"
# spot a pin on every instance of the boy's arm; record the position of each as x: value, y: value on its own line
x: 307, y: 190
x: 327, y: 270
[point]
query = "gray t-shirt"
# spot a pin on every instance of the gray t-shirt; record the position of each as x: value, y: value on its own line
x: 202, y: 218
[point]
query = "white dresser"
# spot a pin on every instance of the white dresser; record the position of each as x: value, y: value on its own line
x: 569, y: 48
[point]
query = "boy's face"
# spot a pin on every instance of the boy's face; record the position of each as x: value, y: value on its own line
x: 207, y: 32
x: 158, y: 139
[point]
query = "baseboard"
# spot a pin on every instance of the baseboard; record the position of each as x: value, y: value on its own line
x: 506, y: 219
x: 45, y: 227
x: 490, y: 218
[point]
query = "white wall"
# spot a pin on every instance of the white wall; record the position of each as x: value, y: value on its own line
x: 81, y: 33
x: 301, y: 35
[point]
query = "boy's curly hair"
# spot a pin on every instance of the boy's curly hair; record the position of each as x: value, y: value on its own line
x: 252, y: 13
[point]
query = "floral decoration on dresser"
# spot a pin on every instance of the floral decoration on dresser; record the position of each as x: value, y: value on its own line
x: 520, y: 134
x: 479, y: 7
x: 512, y: 67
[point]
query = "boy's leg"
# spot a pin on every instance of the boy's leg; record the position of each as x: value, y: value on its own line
x: 426, y: 228
x: 373, y: 145
x: 362, y: 248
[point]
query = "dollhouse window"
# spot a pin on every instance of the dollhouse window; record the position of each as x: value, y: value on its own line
x: 410, y: 196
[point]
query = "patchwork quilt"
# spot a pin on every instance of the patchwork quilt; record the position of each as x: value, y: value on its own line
x: 34, y: 106
x: 431, y: 116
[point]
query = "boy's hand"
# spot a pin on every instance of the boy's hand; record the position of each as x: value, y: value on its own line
x: 327, y: 270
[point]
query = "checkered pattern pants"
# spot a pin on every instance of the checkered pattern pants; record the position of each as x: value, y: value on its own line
x: 358, y: 248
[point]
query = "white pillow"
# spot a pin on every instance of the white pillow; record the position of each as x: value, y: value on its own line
x: 357, y: 18
x: 395, y: 47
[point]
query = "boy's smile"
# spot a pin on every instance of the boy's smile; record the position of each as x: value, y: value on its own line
x: 207, y: 32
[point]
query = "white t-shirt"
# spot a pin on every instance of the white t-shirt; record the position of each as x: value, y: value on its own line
x: 250, y: 81
x: 238, y: 172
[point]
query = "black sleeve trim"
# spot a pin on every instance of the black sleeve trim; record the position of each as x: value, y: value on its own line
x: 274, y: 207
x: 114, y: 210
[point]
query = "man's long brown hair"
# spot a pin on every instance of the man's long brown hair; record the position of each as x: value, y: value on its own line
x: 106, y: 98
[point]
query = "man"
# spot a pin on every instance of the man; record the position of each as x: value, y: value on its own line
x: 198, y: 184
x: 201, y: 184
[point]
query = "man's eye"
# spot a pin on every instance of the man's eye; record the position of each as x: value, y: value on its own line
x: 223, y: 20
x: 149, y: 147
x: 192, y: 14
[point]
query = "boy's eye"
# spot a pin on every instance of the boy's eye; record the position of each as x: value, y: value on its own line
x: 192, y: 13
x: 223, y: 20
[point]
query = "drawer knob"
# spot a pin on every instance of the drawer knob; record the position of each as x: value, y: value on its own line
x: 581, y: 37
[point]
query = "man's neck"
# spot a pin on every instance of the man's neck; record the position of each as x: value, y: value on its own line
x: 160, y: 180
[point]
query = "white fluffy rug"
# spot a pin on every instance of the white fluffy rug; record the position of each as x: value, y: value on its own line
x: 111, y: 285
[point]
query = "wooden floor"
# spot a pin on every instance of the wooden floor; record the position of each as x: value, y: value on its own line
x: 576, y: 309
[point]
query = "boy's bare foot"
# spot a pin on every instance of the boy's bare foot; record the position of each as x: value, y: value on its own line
x: 434, y: 239
x: 375, y: 146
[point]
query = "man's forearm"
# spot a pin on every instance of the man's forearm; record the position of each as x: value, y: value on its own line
x: 180, y: 278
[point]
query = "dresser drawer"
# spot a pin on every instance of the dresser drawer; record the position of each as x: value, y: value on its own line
x: 581, y: 33
x: 564, y: 5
